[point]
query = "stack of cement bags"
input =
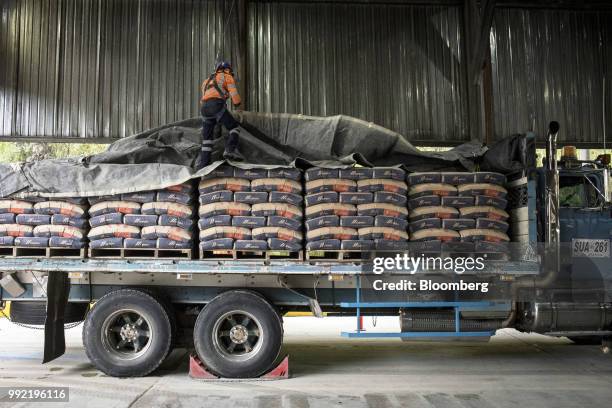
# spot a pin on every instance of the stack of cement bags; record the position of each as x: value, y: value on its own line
x: 161, y: 219
x: 459, y: 212
x: 39, y: 222
x: 355, y: 209
x: 251, y: 209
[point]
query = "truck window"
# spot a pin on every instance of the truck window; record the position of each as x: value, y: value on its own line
x: 576, y: 191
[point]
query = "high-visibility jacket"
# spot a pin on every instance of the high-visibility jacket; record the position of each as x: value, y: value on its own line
x: 220, y: 85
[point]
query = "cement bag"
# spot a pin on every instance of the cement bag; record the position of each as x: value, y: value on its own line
x: 165, y: 243
x: 487, y: 246
x: 276, y: 244
x: 59, y: 207
x: 326, y: 197
x: 33, y: 219
x: 483, y: 189
x: 215, y: 221
x: 113, y: 231
x: 32, y: 242
x: 326, y: 233
x: 425, y: 201
x: 429, y: 189
x: 387, y: 245
x: 277, y: 184
x: 320, y: 210
x: 458, y: 224
x: 32, y: 199
x: 391, y: 186
x: 357, y: 221
x: 16, y: 207
x: 185, y: 188
x: 217, y: 197
x: 435, y: 234
x: 160, y: 231
x: 426, y: 223
x: 7, y: 218
x: 134, y: 243
x: 7, y: 241
x: 250, y: 174
x: 139, y: 197
x: 140, y: 220
x: 235, y: 209
x: 358, y: 245
x: 490, y: 178
x: 356, y: 198
x: 487, y: 223
x: 388, y: 173
x: 422, y: 213
x: 286, y: 234
x: 391, y: 222
x: 61, y: 242
x: 251, y: 245
x: 99, y: 199
x: 356, y: 173
x: 457, y: 178
x: 107, y: 207
x: 226, y: 183
x: 491, y: 201
x: 249, y: 222
x: 325, y: 221
x: 457, y: 247
x: 174, y: 221
x: 251, y: 197
x: 457, y: 201
x: 217, y: 244
x: 286, y: 198
x: 222, y: 171
x: 286, y: 173
x: 338, y: 185
x: 318, y: 173
x: 424, y: 178
x: 172, y: 197
x: 225, y: 232
x: 64, y: 231
x: 391, y: 234
x: 16, y: 230
x: 281, y: 210
x: 478, y: 234
x: 390, y: 198
x: 177, y: 210
x: 484, y: 212
x: 324, y: 245
x: 375, y: 209
x: 284, y: 222
x: 106, y: 243
x: 106, y: 219
x: 60, y: 219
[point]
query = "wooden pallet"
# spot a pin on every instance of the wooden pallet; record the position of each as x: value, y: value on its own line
x: 43, y: 252
x: 140, y: 253
x: 236, y: 254
x: 337, y: 256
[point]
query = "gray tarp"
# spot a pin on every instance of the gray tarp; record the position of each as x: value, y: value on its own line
x: 162, y: 157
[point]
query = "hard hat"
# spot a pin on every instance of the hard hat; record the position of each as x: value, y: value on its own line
x: 223, y: 65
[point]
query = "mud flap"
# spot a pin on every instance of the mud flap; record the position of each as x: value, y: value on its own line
x: 58, y: 288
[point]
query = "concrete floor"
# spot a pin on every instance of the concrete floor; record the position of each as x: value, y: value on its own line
x: 513, y: 370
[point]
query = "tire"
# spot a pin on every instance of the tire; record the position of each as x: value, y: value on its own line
x: 238, y: 335
x: 35, y: 312
x: 587, y: 340
x: 115, y: 333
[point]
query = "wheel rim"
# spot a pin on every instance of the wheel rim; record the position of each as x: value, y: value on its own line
x: 126, y: 334
x: 238, y: 335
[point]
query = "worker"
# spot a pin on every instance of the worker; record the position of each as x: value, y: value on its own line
x: 219, y: 86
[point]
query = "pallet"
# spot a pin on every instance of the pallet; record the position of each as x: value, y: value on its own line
x: 236, y: 254
x: 43, y: 252
x: 139, y: 253
x: 337, y: 256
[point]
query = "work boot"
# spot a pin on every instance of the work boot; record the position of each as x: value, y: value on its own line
x: 202, y: 161
x: 233, y: 154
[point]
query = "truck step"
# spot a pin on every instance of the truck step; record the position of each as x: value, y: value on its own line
x: 235, y: 254
x: 43, y: 252
x: 139, y: 253
x: 336, y: 256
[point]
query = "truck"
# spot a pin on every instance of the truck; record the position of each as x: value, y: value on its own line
x: 556, y: 282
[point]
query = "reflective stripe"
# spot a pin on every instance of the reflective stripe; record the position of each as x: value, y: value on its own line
x: 235, y: 130
x: 208, y: 142
x: 206, y: 149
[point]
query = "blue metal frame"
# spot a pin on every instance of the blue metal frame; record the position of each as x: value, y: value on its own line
x: 457, y: 307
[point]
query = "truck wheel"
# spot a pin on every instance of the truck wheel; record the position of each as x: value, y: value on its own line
x: 238, y: 335
x: 35, y: 312
x: 127, y: 333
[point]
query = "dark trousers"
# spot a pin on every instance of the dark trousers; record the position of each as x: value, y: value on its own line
x: 214, y: 111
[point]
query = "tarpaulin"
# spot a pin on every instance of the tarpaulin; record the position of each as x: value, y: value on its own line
x: 163, y: 156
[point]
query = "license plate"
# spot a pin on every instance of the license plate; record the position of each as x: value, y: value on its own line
x: 591, y: 248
